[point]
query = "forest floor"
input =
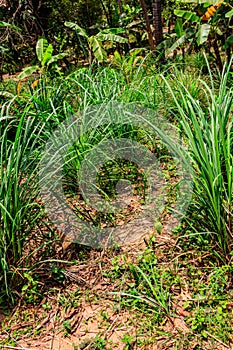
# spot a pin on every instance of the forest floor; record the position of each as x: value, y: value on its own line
x: 84, y: 313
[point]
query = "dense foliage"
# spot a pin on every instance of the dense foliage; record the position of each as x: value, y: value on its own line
x: 170, y: 25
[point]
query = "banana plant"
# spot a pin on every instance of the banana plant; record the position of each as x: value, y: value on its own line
x: 95, y: 42
x: 44, y: 53
x: 212, y: 24
x: 198, y: 32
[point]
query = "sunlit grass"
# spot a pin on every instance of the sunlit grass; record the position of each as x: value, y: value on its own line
x: 208, y: 132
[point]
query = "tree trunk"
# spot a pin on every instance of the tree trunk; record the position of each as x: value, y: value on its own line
x: 120, y: 7
x: 158, y: 28
x: 157, y: 21
x: 148, y: 29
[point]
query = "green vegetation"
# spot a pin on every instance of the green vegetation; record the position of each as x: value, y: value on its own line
x: 108, y: 113
x: 208, y: 132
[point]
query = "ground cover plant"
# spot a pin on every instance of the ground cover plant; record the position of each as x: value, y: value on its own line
x: 173, y: 288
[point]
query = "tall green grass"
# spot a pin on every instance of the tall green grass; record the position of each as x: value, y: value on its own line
x: 203, y: 112
x: 19, y: 205
x: 208, y: 134
x: 26, y: 121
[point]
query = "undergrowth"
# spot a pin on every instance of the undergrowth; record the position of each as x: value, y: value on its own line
x: 32, y: 252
